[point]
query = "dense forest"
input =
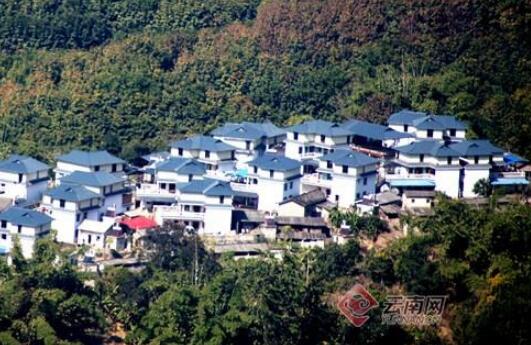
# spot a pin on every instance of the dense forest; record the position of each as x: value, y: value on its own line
x: 130, y: 75
x: 478, y: 257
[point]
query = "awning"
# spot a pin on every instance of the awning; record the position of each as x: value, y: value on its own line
x: 511, y: 158
x: 411, y: 183
x: 506, y: 181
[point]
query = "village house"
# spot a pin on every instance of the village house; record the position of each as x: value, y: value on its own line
x: 303, y: 205
x: 250, y: 139
x: 92, y: 233
x: 423, y: 125
x: 214, y: 153
x: 23, y: 177
x: 27, y: 225
x: 88, y: 161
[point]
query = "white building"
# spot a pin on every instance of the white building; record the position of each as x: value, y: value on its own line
x: 116, y: 196
x: 423, y: 125
x: 205, y: 205
x: 23, y: 177
x: 426, y: 164
x: 478, y: 158
x: 274, y: 179
x: 27, y: 225
x: 313, y: 139
x: 92, y: 233
x: 88, y: 161
x: 345, y: 175
x: 250, y: 139
x: 69, y: 205
x: 215, y: 154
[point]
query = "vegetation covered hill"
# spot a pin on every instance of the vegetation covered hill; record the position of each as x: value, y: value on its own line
x: 130, y: 75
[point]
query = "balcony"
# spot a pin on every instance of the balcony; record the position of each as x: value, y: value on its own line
x: 409, y: 176
x: 176, y: 213
x: 316, y: 180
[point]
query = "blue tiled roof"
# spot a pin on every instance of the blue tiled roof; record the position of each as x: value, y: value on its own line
x: 70, y: 192
x: 274, y: 162
x: 319, y: 127
x: 89, y: 158
x: 422, y: 120
x: 476, y: 148
x: 430, y: 147
x: 248, y: 130
x: 22, y: 165
x: 349, y: 158
x: 25, y: 217
x: 411, y: 183
x: 182, y: 166
x: 510, y: 181
x: 94, y: 179
x: 373, y: 131
x: 202, y: 142
x: 206, y: 187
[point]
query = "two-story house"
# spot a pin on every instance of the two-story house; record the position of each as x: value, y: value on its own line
x: 426, y: 164
x: 250, y: 139
x: 112, y: 189
x: 88, y: 161
x: 218, y: 156
x: 312, y: 139
x: 345, y: 176
x: 274, y: 179
x: 69, y: 205
x: 428, y: 126
x: 27, y: 225
x: 203, y: 205
x: 23, y: 177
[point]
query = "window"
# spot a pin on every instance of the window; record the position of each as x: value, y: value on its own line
x: 78, y: 217
x: 19, y: 229
x: 295, y: 135
x: 4, y: 236
x: 114, y: 168
x: 232, y: 155
x: 421, y: 158
x: 312, y: 148
x: 291, y: 185
x: 430, y: 133
x: 364, y: 181
x: 271, y: 173
x: 190, y: 177
x: 300, y: 149
x: 207, y: 154
x: 345, y: 169
x: 163, y: 186
x: 187, y: 207
x: 323, y: 138
x: 89, y: 239
x: 329, y: 164
x: 337, y: 198
x: 97, y: 238
x: 20, y: 176
x: 97, y: 168
x: 180, y: 151
x: 406, y: 127
x: 476, y: 159
x: 285, y: 186
x: 85, y: 215
x: 449, y: 160
x: 452, y: 132
x: 221, y: 199
x: 490, y: 159
x: 4, y: 224
x: 357, y: 196
x: 247, y: 145
x: 255, y: 169
x: 412, y: 201
x: 348, y: 139
x: 61, y: 203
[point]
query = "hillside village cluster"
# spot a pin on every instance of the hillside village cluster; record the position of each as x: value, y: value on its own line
x: 247, y: 178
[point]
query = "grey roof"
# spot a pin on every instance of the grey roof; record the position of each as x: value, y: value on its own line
x: 373, y: 131
x: 321, y: 127
x: 430, y: 147
x: 206, y: 187
x: 184, y: 166
x: 25, y: 217
x: 349, y: 158
x: 310, y: 198
x: 274, y: 162
x: 202, y: 142
x: 419, y: 193
x: 93, y: 179
x: 22, y: 165
x: 423, y: 120
x: 71, y: 193
x: 89, y: 158
x: 385, y: 198
x: 301, y: 221
x: 476, y: 148
x: 248, y: 130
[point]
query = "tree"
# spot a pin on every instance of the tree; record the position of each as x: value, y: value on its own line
x: 482, y: 187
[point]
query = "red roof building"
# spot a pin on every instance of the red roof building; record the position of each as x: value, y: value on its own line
x: 139, y: 223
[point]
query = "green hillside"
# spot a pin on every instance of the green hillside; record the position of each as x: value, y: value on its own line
x: 130, y: 75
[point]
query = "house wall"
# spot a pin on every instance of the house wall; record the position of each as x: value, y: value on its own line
x: 470, y: 176
x: 423, y: 133
x: 291, y: 209
x: 417, y: 202
x: 27, y: 237
x: 218, y: 219
x: 447, y: 181
x: 97, y: 239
